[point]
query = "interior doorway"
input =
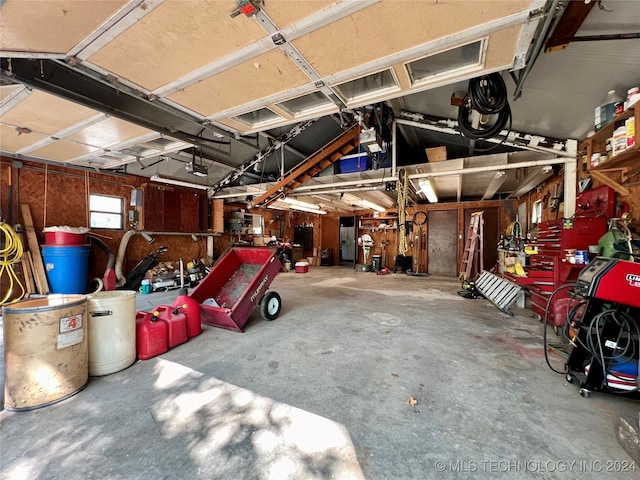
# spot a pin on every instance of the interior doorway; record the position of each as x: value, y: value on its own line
x: 443, y: 242
x: 347, y: 240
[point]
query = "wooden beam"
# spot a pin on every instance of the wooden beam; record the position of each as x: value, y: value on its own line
x: 332, y: 151
x: 570, y: 22
x: 612, y: 183
x: 34, y: 248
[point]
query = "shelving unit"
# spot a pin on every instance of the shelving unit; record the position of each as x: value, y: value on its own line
x: 378, y: 223
x: 626, y: 161
x: 383, y: 230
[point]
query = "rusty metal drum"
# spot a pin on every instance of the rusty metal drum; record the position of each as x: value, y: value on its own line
x: 45, y: 350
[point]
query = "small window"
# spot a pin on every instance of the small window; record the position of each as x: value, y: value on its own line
x: 445, y: 63
x: 369, y: 86
x: 306, y: 104
x: 536, y: 215
x: 106, y: 212
x: 258, y: 117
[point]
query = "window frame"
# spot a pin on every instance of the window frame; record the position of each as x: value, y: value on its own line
x: 121, y: 213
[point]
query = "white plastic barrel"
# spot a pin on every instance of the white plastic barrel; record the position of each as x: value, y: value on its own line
x: 112, y: 331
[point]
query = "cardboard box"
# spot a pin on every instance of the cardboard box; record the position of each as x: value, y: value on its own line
x: 436, y: 154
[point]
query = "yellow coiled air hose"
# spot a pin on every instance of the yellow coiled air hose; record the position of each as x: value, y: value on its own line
x: 10, y: 254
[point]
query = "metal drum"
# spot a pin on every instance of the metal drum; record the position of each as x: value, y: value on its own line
x: 45, y: 350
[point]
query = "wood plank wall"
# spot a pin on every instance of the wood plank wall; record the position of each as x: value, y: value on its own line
x: 58, y: 196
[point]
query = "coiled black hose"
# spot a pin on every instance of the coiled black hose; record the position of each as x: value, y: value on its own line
x: 488, y: 96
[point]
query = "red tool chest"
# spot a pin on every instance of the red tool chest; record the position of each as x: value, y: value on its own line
x: 550, y: 269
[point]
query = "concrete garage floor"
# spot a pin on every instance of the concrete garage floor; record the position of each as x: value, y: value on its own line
x: 321, y: 392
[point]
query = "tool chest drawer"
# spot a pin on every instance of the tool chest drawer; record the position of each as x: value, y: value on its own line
x: 556, y: 236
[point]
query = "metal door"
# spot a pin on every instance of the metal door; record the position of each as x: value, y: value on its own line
x: 443, y: 242
x: 347, y: 243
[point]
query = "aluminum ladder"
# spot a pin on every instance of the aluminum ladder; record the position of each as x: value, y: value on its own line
x: 501, y: 292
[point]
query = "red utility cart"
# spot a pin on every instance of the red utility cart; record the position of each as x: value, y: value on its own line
x: 236, y: 284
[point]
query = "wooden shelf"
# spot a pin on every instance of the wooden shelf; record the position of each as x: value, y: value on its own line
x: 628, y: 160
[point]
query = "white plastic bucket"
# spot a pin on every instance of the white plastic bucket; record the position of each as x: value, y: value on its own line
x: 112, y: 331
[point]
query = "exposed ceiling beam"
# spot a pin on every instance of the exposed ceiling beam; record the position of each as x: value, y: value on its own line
x: 108, y: 95
x: 534, y: 177
x: 570, y: 22
x: 494, y: 185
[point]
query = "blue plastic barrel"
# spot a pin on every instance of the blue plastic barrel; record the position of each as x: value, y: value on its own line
x: 67, y: 267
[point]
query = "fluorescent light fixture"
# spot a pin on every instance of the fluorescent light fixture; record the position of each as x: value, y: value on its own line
x: 373, y: 206
x: 298, y: 203
x: 280, y: 206
x: 427, y: 188
x: 179, y: 183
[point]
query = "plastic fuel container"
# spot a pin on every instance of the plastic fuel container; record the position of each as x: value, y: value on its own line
x: 151, y: 336
x: 176, y: 324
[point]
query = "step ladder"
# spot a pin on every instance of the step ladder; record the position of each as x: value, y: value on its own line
x: 472, y: 257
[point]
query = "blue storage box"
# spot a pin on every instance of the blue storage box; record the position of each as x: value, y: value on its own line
x: 357, y: 162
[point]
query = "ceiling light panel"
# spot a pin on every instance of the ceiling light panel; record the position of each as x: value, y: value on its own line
x: 446, y: 64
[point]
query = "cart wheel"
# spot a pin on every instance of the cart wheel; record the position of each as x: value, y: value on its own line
x: 270, y: 305
x: 584, y: 393
x: 569, y: 378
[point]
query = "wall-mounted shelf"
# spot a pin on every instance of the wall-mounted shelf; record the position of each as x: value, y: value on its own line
x: 378, y: 223
x: 627, y: 160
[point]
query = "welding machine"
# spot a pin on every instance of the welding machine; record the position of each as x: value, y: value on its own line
x: 605, y: 355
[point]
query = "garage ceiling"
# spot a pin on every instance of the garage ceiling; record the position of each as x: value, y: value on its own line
x: 153, y: 86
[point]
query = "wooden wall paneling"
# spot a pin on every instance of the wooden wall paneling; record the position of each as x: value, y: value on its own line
x: 217, y: 225
x: 189, y: 218
x: 330, y: 236
x: 153, y: 208
x: 172, y: 212
x: 65, y: 200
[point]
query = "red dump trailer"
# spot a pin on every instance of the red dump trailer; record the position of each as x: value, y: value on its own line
x: 236, y: 284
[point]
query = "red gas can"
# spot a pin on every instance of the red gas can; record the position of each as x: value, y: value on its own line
x: 191, y: 308
x: 176, y: 324
x: 151, y: 336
